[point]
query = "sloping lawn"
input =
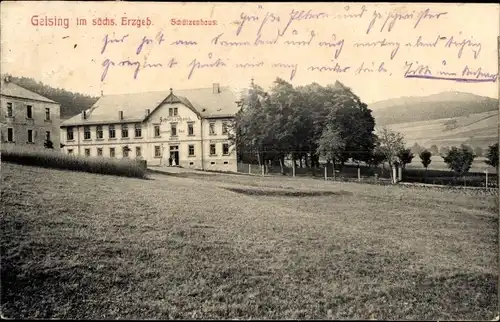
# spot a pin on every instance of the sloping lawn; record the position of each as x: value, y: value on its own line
x: 79, y: 245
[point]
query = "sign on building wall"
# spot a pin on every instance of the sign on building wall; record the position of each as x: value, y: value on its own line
x: 174, y: 119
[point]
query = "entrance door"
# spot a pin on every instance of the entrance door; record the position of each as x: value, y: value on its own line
x: 174, y: 154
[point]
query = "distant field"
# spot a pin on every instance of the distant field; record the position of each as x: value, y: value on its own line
x: 79, y: 245
x: 479, y: 129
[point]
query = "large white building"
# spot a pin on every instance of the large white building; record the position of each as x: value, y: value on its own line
x: 189, y: 127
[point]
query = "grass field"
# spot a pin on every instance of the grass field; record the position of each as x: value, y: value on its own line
x: 80, y: 245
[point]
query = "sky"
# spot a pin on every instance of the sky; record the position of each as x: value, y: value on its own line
x: 322, y: 44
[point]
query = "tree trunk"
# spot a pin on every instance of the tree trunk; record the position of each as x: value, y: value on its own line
x: 333, y: 170
x: 281, y: 166
x: 300, y: 161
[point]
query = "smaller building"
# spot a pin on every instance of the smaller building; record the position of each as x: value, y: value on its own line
x: 27, y: 119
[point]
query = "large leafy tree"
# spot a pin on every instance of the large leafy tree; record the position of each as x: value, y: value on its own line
x: 303, y: 122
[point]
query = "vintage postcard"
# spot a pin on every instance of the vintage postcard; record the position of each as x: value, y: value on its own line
x: 249, y: 160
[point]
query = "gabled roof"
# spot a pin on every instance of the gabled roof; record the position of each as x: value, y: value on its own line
x: 202, y: 101
x: 14, y: 90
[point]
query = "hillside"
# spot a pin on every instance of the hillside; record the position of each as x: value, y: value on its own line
x: 71, y: 103
x: 444, y: 105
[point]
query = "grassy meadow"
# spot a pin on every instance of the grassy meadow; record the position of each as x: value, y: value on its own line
x: 212, y: 246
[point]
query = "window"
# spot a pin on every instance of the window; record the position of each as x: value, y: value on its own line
x: 70, y: 151
x: 99, y: 132
x: 191, y: 150
x: 86, y: 132
x: 30, y: 136
x: 211, y: 129
x: 112, y: 132
x: 225, y: 162
x: 29, y: 111
x: 99, y: 152
x: 10, y: 134
x: 87, y: 152
x: 138, y: 130
x: 112, y: 152
x: 175, y: 111
x: 225, y: 149
x: 9, y: 109
x: 124, y: 131
x: 47, y: 135
x: 125, y: 151
x: 47, y: 114
x: 157, y: 131
x: 172, y: 111
x: 173, y: 129
x: 157, y: 151
x: 190, y: 129
x: 191, y: 163
x: 212, y: 149
x: 212, y: 162
x: 224, y: 127
x: 138, y: 152
x: 69, y: 134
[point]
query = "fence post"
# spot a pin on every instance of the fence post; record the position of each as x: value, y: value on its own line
x: 394, y: 174
x: 326, y: 173
x: 250, y: 168
x: 293, y: 169
x: 359, y: 174
x: 486, y: 172
x: 263, y: 170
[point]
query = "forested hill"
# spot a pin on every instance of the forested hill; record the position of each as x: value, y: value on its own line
x: 436, y: 106
x: 71, y: 103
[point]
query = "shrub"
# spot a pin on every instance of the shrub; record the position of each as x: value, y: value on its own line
x: 123, y: 167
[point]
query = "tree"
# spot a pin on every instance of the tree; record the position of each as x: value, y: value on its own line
x: 304, y: 122
x: 478, y: 151
x: 391, y: 143
x: 434, y: 149
x: 48, y: 144
x: 331, y: 146
x: 416, y: 149
x: 425, y: 157
x: 377, y: 157
x: 405, y: 156
x: 492, y: 156
x: 459, y: 160
x: 444, y: 150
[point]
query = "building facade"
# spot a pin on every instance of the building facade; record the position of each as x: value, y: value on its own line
x: 27, y: 120
x: 187, y: 128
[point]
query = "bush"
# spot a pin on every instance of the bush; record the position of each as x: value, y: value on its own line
x: 123, y: 167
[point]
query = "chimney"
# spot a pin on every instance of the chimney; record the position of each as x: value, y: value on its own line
x: 84, y: 115
x: 120, y: 115
x: 147, y: 111
x: 216, y: 88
